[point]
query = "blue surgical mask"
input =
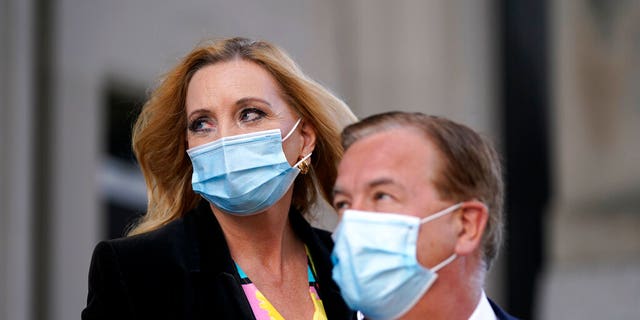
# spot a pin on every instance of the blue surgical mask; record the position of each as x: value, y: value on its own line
x: 243, y: 174
x: 375, y: 262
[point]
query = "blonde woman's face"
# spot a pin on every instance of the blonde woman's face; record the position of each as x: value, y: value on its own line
x: 237, y: 97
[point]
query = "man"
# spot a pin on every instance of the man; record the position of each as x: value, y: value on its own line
x: 420, y: 204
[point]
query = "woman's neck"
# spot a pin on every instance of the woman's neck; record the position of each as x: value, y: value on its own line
x: 265, y: 239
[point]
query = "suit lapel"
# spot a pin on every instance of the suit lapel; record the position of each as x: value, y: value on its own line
x: 217, y: 292
x: 500, y: 314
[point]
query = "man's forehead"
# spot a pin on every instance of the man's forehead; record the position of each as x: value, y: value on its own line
x: 390, y: 145
x: 389, y: 155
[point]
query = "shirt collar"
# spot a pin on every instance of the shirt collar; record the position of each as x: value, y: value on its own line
x: 483, y: 310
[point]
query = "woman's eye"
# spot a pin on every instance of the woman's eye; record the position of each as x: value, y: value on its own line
x: 251, y: 114
x: 200, y: 125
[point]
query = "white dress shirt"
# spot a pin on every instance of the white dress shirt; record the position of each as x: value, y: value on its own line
x: 483, y: 310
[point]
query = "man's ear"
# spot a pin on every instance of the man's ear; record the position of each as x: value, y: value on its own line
x: 308, y: 132
x: 472, y: 220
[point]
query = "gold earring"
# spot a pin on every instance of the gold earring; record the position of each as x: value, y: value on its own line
x: 304, y: 167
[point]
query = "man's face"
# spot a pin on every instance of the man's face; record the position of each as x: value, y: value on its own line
x: 393, y: 172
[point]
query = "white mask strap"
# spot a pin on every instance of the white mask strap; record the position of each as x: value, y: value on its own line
x: 303, y: 159
x: 441, y: 213
x: 292, y: 130
x: 444, y: 263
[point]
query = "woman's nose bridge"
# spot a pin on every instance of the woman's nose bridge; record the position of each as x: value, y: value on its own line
x: 227, y: 127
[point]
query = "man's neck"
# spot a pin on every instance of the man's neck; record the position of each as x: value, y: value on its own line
x: 454, y: 295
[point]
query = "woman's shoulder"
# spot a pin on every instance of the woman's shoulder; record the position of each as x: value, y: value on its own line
x: 146, y: 271
x: 161, y: 235
x: 158, y: 246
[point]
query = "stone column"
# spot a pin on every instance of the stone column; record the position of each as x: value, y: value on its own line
x: 594, y: 248
x: 16, y: 135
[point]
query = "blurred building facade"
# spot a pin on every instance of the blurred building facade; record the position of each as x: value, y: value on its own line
x: 593, y: 269
x: 66, y: 65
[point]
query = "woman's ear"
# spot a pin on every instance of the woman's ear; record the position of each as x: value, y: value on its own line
x: 308, y: 132
x: 472, y: 220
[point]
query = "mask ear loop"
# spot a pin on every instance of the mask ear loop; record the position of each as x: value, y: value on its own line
x: 292, y: 130
x: 436, y: 216
x: 441, y: 213
x: 303, y: 165
x: 444, y: 263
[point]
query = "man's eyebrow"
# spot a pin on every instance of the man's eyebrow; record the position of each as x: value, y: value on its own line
x: 375, y: 183
x: 389, y: 182
x: 380, y: 181
x: 337, y: 190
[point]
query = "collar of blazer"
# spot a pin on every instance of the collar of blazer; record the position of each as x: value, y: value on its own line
x: 210, y: 260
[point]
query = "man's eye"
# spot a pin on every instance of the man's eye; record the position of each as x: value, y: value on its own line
x: 381, y: 196
x: 341, y: 205
x: 251, y: 114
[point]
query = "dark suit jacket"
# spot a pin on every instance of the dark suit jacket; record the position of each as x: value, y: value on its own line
x: 184, y: 271
x: 500, y: 314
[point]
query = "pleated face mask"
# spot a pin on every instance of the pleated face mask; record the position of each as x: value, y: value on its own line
x: 243, y: 174
x: 375, y: 263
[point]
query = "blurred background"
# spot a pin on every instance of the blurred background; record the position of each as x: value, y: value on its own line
x: 555, y: 84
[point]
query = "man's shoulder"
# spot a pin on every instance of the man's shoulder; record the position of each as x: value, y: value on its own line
x: 324, y: 236
x: 500, y: 314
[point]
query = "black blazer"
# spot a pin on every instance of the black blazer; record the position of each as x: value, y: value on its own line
x: 184, y: 271
x: 500, y: 314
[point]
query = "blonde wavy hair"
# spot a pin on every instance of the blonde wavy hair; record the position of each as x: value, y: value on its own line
x: 159, y: 134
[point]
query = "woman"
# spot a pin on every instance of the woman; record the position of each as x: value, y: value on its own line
x: 235, y: 144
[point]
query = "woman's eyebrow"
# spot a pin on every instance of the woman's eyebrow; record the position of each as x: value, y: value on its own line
x: 198, y: 111
x: 252, y: 99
